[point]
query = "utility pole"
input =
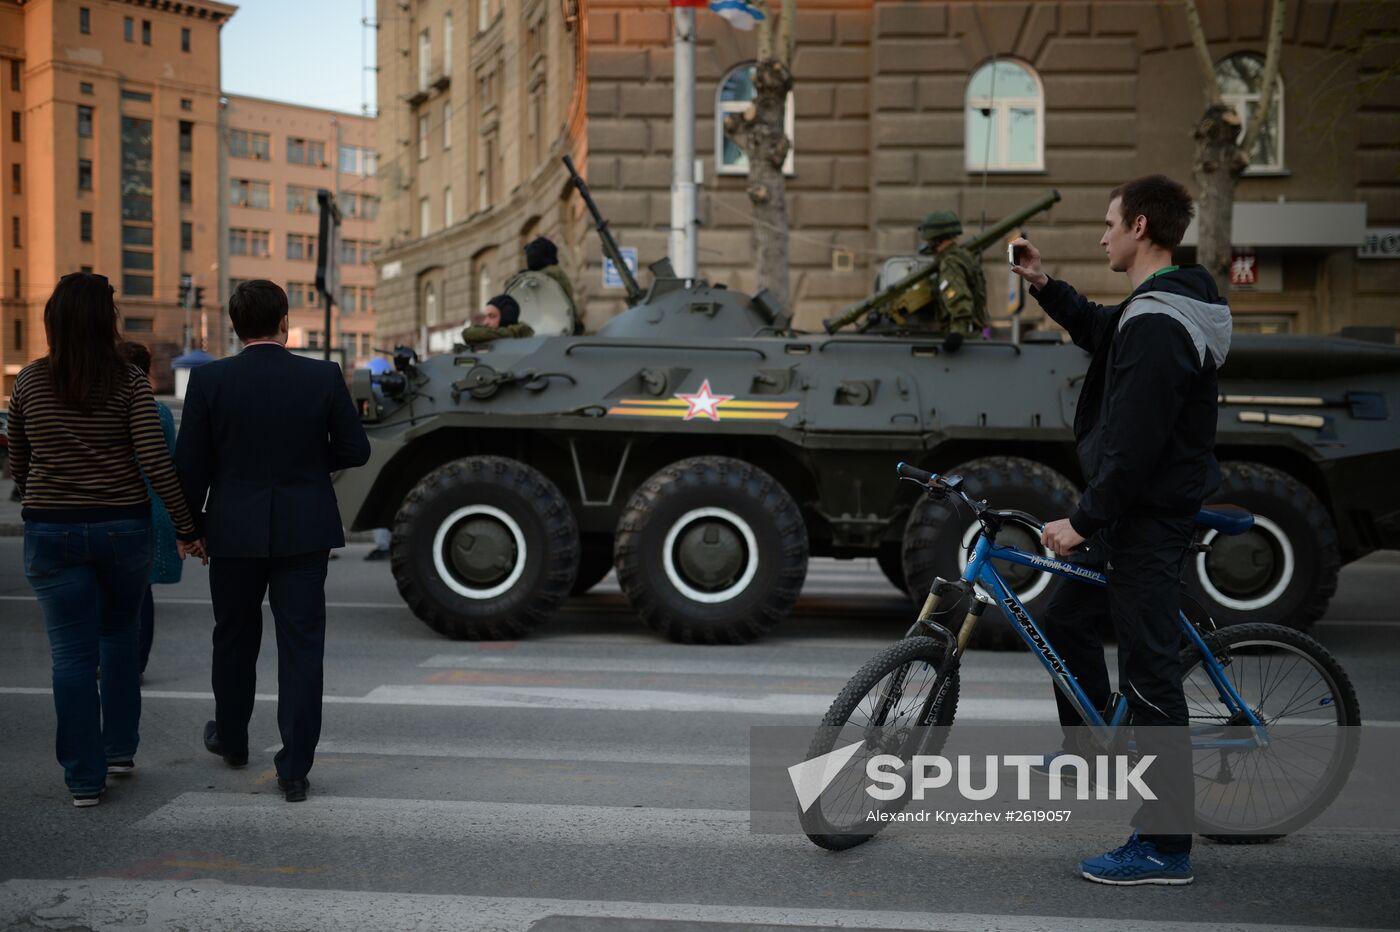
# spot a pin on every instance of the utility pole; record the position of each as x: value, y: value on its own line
x: 683, y: 246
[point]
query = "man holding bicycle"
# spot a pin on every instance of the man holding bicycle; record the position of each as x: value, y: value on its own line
x: 1145, y: 434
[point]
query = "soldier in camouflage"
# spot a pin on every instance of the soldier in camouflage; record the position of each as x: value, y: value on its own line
x: 499, y: 320
x: 961, y: 288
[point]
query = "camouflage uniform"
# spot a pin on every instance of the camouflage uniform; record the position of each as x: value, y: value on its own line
x: 961, y: 287
x: 484, y: 334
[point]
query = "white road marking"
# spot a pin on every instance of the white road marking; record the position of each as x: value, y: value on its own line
x: 717, y: 757
x: 191, y: 904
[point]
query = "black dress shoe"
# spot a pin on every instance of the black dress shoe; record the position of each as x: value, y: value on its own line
x: 213, y: 745
x: 294, y: 790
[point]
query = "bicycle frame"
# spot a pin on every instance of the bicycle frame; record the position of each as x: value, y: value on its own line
x: 981, y: 572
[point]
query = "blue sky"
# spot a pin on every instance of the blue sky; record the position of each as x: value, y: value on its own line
x: 301, y: 51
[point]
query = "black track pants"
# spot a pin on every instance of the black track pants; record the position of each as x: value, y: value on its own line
x: 1143, y: 557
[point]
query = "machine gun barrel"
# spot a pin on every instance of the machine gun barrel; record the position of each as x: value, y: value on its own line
x: 973, y: 244
x: 634, y: 291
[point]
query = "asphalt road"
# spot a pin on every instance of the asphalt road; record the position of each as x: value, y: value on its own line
x: 592, y: 777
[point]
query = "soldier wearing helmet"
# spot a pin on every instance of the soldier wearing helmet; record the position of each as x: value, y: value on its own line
x: 960, y: 304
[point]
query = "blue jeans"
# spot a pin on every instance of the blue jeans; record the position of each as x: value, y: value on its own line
x: 90, y: 580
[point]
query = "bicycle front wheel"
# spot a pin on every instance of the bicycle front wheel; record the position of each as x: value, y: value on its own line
x: 888, y: 707
x: 1308, y: 706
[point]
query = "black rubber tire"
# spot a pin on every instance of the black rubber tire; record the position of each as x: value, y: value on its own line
x: 1285, y: 502
x: 1220, y: 643
x: 748, y: 493
x: 545, y: 520
x: 934, y: 532
x: 890, y: 558
x: 594, y: 562
x: 868, y: 677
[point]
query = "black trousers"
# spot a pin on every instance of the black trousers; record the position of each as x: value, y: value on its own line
x: 1142, y: 556
x: 296, y: 588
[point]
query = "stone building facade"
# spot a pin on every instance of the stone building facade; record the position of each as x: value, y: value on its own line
x: 893, y: 118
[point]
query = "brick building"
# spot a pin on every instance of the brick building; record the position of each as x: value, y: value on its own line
x: 109, y: 148
x: 899, y: 106
x: 278, y: 156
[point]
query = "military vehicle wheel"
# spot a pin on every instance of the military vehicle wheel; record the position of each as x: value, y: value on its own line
x: 890, y: 558
x: 1281, y: 571
x: 711, y: 550
x: 594, y: 562
x: 484, y: 548
x: 939, y: 537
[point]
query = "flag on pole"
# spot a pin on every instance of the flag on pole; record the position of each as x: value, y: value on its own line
x: 739, y: 14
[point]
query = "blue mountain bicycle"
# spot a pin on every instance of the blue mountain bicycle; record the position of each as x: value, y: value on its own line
x: 1243, y: 685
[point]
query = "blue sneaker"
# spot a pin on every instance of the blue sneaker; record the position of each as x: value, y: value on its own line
x: 1138, y: 862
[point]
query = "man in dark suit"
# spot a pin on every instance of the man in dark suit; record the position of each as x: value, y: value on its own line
x: 260, y: 435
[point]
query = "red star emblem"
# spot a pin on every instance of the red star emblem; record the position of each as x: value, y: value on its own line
x: 703, y: 402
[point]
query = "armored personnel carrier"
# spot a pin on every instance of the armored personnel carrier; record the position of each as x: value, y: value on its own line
x: 706, y: 451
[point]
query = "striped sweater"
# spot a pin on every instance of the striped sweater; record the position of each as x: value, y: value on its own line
x: 71, y: 467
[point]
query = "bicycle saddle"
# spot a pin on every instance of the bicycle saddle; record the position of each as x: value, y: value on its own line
x: 1227, y: 519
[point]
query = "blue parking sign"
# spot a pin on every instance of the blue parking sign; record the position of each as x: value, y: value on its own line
x: 611, y: 279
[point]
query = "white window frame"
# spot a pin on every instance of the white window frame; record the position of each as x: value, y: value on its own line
x: 1243, y: 105
x: 425, y: 217
x: 423, y: 130
x: 1001, y: 109
x: 447, y: 218
x: 447, y: 42
x: 425, y: 59
x: 724, y: 107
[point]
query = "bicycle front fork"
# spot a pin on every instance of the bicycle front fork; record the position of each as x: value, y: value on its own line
x: 943, y: 597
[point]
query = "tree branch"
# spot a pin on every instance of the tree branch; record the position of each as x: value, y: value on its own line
x: 1270, y: 78
x: 788, y: 29
x: 1198, y: 40
x: 765, y: 31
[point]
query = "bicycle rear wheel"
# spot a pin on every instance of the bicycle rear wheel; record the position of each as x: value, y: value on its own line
x: 1309, y: 707
x: 880, y: 709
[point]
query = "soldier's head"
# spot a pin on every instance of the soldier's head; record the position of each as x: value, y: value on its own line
x: 540, y: 253
x: 500, y: 311
x: 939, y: 229
x: 1145, y: 215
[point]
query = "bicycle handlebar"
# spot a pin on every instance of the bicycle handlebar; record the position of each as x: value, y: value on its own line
x: 913, y: 472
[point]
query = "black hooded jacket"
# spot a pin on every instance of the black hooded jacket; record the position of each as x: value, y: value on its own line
x: 1145, y: 423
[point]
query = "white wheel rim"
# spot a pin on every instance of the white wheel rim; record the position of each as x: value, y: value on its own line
x: 446, y: 575
x: 668, y: 556
x: 1042, y: 580
x: 1284, y: 578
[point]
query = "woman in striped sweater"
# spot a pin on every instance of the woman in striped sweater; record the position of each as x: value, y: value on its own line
x: 82, y: 420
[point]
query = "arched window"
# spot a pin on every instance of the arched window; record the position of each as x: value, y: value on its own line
x: 1005, y: 119
x: 1241, y: 78
x: 735, y: 94
x: 430, y: 305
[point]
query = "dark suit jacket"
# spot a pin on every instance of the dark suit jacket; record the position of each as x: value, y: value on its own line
x: 261, y: 434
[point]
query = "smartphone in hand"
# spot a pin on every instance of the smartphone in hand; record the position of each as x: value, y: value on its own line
x: 1010, y: 253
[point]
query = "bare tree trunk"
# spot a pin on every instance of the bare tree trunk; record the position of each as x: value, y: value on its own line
x: 762, y: 133
x: 1221, y: 155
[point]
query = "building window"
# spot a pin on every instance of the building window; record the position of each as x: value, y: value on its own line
x: 141, y: 286
x: 186, y: 103
x: 139, y: 97
x: 186, y: 236
x: 243, y: 144
x: 133, y: 235
x: 17, y: 337
x: 186, y: 136
x: 145, y: 32
x: 1005, y: 116
x: 84, y: 20
x: 422, y: 136
x: 358, y: 160
x: 139, y: 325
x: 255, y: 243
x: 481, y: 271
x: 84, y: 121
x: 14, y: 233
x: 186, y: 188
x: 17, y: 181
x: 486, y: 173
x: 85, y: 226
x: 247, y: 193
x: 447, y: 42
x: 84, y: 175
x: 349, y: 252
x: 184, y: 40
x: 85, y: 87
x: 485, y: 14
x: 1241, y: 78
x: 447, y: 124
x: 425, y: 216
x: 301, y: 247
x: 15, y: 126
x: 425, y: 59
x: 447, y: 218
x: 306, y: 151
x: 140, y: 260
x: 301, y: 294
x: 430, y: 305
x: 128, y: 29
x: 735, y: 94
x: 300, y: 199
